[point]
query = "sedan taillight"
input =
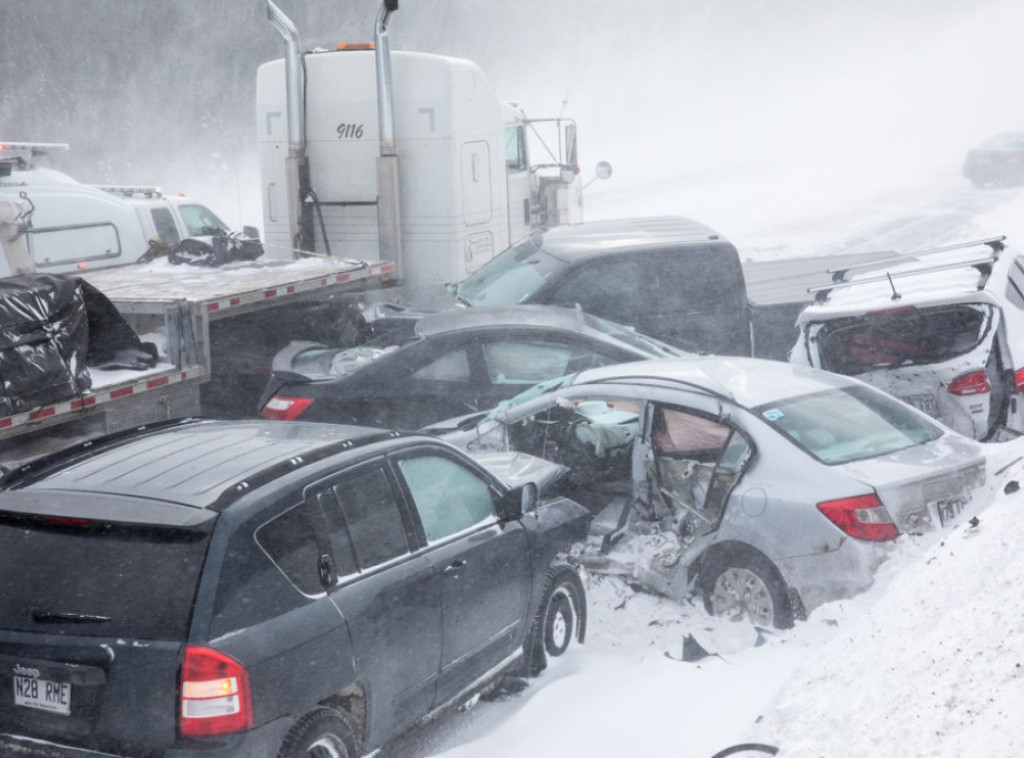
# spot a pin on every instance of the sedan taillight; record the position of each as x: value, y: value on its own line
x: 281, y: 408
x: 974, y: 383
x: 863, y: 517
x: 215, y: 694
x: 1018, y: 381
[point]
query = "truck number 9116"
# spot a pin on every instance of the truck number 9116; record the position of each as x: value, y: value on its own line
x: 350, y: 131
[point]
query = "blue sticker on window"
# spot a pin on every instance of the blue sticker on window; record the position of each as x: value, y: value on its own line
x: 773, y: 415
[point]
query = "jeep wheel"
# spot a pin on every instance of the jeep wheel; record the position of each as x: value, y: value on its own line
x: 561, y: 617
x: 323, y: 733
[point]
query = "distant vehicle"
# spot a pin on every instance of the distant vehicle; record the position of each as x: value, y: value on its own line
x: 668, y: 277
x: 942, y: 330
x: 268, y: 590
x: 445, y: 364
x: 67, y: 226
x: 764, y: 488
x: 999, y: 161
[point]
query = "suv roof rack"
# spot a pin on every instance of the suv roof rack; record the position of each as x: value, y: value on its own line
x: 839, y: 280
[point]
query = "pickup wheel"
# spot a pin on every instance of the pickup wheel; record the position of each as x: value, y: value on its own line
x: 561, y: 617
x: 323, y: 733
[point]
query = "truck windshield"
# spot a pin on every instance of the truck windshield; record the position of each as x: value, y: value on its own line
x: 509, y: 278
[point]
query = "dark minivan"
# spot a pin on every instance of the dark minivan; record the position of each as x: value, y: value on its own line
x: 258, y: 589
x: 669, y: 277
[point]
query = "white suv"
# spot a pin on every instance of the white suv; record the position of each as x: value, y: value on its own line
x: 942, y: 330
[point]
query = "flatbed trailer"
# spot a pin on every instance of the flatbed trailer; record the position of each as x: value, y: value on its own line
x: 178, y: 307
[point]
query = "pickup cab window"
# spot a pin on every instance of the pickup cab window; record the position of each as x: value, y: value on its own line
x: 165, y: 227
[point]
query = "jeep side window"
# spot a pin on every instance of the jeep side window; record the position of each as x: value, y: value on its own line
x: 364, y: 521
x: 290, y: 542
x: 448, y: 497
x: 608, y: 289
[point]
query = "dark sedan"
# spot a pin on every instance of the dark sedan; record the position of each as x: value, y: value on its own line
x: 446, y: 364
x: 998, y: 161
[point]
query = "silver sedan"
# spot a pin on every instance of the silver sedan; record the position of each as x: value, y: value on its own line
x: 765, y: 488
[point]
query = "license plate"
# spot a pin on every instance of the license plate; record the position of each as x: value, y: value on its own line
x: 925, y: 403
x: 950, y: 508
x: 43, y: 694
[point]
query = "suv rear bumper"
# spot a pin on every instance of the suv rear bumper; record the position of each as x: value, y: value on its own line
x: 262, y: 742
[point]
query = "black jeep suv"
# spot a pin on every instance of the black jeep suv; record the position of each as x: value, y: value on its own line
x: 210, y: 588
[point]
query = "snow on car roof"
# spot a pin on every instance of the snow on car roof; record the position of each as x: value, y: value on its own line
x: 750, y: 382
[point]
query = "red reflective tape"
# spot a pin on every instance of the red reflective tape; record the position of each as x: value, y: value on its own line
x: 270, y: 293
x: 6, y: 422
x: 341, y: 278
x: 43, y: 413
x: 123, y: 392
x: 291, y: 288
x: 158, y: 382
x: 235, y: 301
x: 323, y: 282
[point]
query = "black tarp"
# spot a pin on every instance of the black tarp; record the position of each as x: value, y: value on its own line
x: 51, y: 329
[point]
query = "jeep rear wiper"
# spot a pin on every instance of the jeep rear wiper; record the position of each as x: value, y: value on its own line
x: 46, y: 617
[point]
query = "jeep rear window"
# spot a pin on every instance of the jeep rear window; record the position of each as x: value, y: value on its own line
x: 902, y: 337
x: 89, y: 578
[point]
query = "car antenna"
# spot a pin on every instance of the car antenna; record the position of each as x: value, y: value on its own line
x: 895, y: 295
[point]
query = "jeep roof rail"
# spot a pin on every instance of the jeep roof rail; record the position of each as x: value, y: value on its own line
x: 839, y: 274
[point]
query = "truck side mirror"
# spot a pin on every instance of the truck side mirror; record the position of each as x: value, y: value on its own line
x: 251, y: 232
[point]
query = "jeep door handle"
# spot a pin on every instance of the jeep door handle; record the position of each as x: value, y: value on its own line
x: 455, y: 568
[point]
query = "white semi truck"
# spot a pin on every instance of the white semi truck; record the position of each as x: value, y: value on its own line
x: 406, y: 157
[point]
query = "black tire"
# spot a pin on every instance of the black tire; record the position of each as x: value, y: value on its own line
x: 743, y: 584
x: 323, y: 733
x: 750, y: 747
x: 561, y: 617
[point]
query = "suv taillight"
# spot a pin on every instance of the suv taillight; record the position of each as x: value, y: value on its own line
x: 215, y: 695
x: 974, y: 383
x: 1018, y: 381
x: 281, y: 408
x: 863, y: 517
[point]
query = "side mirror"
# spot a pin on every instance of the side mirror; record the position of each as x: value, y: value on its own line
x: 517, y: 501
x: 251, y: 232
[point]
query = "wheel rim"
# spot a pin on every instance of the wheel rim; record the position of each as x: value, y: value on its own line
x: 328, y: 746
x: 560, y: 623
x: 741, y: 594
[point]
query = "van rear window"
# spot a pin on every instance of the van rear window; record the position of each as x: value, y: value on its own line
x: 904, y: 337
x: 89, y: 578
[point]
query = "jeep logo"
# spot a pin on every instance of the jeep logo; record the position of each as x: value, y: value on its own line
x: 25, y: 671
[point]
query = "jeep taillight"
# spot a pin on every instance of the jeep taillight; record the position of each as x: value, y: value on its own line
x: 974, y: 383
x: 215, y: 694
x: 863, y: 517
x: 281, y: 408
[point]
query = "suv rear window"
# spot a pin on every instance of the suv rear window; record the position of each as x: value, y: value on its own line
x: 903, y: 337
x: 83, y: 577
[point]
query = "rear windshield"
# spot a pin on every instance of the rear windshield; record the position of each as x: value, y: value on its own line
x: 849, y: 424
x: 97, y: 579
x: 910, y: 337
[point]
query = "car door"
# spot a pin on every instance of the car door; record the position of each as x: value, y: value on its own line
x: 388, y: 594
x: 483, y: 564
